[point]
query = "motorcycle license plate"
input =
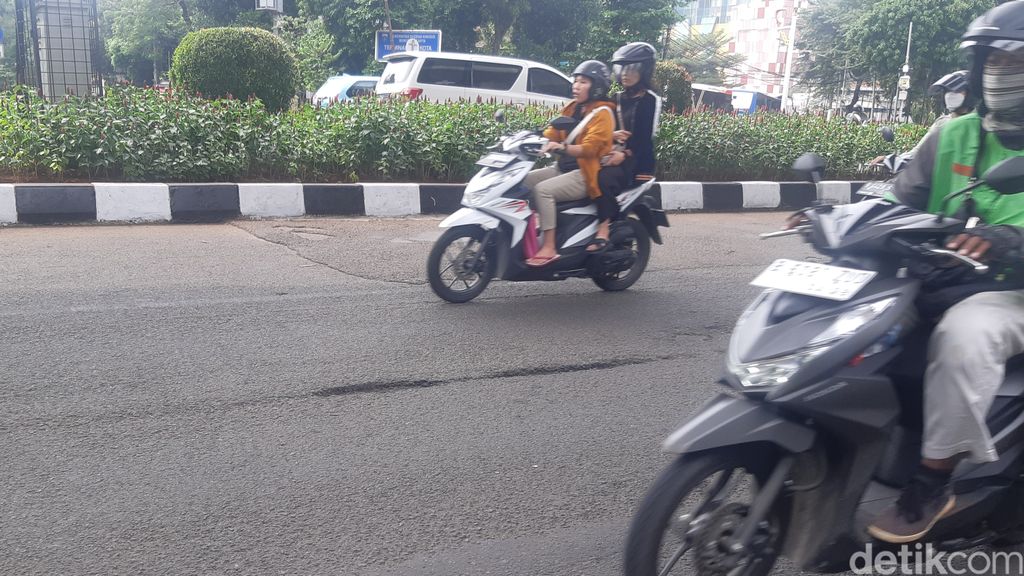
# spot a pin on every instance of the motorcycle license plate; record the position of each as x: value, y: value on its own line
x: 496, y: 160
x: 813, y: 279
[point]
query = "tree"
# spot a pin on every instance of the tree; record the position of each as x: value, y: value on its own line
x: 313, y: 48
x: 621, y: 21
x: 8, y: 74
x: 866, y: 40
x: 502, y: 15
x: 353, y: 24
x: 705, y: 56
x: 934, y: 47
x: 554, y: 32
x: 828, y: 55
x: 142, y: 35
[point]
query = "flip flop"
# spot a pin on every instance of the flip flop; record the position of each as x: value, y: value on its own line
x: 541, y: 262
x: 597, y: 245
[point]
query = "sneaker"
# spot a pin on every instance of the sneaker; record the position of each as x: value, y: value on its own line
x: 925, y: 500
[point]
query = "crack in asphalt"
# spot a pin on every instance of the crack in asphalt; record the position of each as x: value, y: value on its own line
x: 385, y: 386
x: 377, y: 387
x: 325, y: 264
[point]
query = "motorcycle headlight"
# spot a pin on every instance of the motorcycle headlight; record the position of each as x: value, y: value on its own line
x: 773, y: 371
x: 779, y: 370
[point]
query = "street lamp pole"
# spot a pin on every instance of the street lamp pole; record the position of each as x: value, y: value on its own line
x: 903, y: 89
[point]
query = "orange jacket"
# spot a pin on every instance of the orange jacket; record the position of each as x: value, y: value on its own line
x: 595, y: 138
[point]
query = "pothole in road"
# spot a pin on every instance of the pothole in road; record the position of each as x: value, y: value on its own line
x: 395, y: 385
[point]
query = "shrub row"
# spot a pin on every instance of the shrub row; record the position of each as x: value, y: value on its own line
x: 144, y: 135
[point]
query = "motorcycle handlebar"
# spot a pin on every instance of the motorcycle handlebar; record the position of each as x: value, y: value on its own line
x: 979, y: 268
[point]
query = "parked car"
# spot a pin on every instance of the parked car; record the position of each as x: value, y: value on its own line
x: 344, y: 87
x: 449, y: 76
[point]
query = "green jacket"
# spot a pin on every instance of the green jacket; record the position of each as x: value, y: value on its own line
x: 945, y: 163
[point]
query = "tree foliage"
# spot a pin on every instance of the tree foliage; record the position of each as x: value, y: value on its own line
x: 673, y: 83
x: 705, y: 56
x: 141, y: 35
x: 866, y: 41
x: 312, y: 46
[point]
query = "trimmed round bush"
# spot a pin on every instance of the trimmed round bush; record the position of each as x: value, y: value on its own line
x: 235, y: 62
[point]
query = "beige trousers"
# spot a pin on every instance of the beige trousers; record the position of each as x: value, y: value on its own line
x: 550, y: 186
x: 967, y: 355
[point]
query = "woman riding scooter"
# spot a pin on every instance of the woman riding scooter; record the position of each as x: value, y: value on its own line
x: 575, y: 175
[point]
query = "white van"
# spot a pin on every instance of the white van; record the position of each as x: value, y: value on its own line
x: 449, y: 76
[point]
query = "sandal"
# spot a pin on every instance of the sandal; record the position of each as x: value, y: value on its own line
x: 598, y: 245
x: 541, y: 262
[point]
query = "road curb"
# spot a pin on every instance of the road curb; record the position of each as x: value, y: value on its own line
x: 214, y: 202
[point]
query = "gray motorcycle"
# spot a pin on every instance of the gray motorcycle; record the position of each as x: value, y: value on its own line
x: 819, y: 423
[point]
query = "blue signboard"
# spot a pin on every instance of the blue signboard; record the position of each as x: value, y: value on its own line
x: 389, y: 42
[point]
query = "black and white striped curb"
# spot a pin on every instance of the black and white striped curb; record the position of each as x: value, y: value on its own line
x: 56, y: 203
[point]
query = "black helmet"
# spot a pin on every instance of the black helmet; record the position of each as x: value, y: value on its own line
x: 600, y: 77
x: 952, y: 82
x: 635, y: 55
x: 1001, y: 28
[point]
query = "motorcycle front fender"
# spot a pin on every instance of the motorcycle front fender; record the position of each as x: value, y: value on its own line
x: 469, y: 217
x: 727, y: 421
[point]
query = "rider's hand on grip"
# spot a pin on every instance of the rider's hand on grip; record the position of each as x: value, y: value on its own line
x: 553, y: 147
x: 795, y: 219
x: 974, y: 247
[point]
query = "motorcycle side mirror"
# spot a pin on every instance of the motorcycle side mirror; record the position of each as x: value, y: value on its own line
x: 1006, y: 177
x: 887, y: 134
x: 810, y: 166
x: 566, y: 123
x: 499, y: 116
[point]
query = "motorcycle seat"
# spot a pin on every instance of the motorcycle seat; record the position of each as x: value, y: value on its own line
x: 573, y: 204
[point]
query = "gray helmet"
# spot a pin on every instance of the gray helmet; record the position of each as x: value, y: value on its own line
x: 1001, y: 28
x: 952, y: 82
x: 635, y: 55
x: 600, y: 77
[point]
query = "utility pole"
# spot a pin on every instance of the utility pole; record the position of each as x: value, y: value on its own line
x: 789, y: 57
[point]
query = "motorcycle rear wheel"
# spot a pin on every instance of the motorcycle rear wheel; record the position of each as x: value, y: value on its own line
x: 640, y: 243
x: 689, y: 509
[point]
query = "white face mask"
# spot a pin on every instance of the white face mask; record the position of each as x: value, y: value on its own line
x: 954, y: 100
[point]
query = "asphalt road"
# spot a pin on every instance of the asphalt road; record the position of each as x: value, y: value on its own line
x: 289, y: 397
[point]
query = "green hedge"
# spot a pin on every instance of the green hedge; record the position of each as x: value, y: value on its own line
x: 144, y: 135
x: 238, y: 62
x: 706, y: 146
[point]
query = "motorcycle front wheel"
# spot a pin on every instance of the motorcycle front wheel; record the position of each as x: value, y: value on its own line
x: 687, y: 520
x: 460, y: 266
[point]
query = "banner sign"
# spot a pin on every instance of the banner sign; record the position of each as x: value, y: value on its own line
x: 390, y: 42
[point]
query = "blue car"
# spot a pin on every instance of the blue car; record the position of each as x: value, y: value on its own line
x: 344, y: 87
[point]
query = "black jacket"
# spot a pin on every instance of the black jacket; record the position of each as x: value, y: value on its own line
x: 639, y: 117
